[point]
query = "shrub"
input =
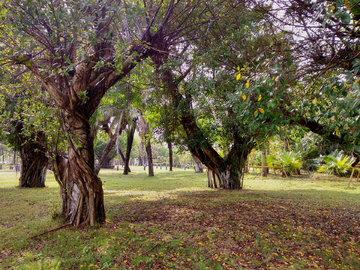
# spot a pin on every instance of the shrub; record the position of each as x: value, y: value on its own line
x: 336, y: 163
x: 290, y: 161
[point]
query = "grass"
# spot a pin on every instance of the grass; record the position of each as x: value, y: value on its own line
x: 172, y: 221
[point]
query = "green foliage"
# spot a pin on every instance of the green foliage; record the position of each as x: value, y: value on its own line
x: 290, y: 161
x: 336, y: 163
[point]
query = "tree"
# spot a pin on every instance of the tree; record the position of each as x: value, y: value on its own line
x: 29, y: 119
x: 129, y: 144
x: 79, y: 50
x: 146, y: 138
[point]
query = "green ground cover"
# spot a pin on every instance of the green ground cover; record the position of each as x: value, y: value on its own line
x: 172, y: 221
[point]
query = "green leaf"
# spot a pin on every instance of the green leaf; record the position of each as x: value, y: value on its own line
x: 67, y: 59
x: 345, y: 18
x: 289, y: 62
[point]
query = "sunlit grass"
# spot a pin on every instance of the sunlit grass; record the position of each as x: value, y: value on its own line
x: 173, y: 220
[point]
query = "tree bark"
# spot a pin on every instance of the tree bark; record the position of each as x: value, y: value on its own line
x: 198, y: 165
x: 33, y: 159
x: 130, y: 139
x: 264, y: 169
x: 209, y: 177
x: 228, y: 170
x: 84, y: 197
x: 150, y: 160
x: 170, y: 156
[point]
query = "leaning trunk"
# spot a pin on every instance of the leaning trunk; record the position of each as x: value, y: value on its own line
x: 130, y: 139
x: 33, y: 159
x: 84, y: 198
x: 198, y: 165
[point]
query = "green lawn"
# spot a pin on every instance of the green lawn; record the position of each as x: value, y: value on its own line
x: 173, y: 221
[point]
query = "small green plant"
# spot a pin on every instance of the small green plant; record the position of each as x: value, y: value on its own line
x: 106, y: 265
x: 290, y: 161
x: 55, y: 209
x: 337, y: 163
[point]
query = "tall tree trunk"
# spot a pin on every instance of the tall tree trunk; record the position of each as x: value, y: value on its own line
x: 144, y: 131
x: 120, y: 153
x: 170, y: 156
x: 130, y: 139
x: 264, y: 168
x: 150, y: 160
x: 84, y: 193
x: 33, y: 159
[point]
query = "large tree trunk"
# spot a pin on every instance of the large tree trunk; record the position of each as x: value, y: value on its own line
x: 107, y: 163
x: 198, y: 165
x: 170, y: 156
x: 130, y: 139
x: 84, y: 199
x: 229, y: 170
x: 150, y: 160
x: 33, y: 159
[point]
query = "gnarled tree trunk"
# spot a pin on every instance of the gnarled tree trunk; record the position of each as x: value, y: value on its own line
x: 33, y: 159
x: 84, y: 198
x: 198, y: 165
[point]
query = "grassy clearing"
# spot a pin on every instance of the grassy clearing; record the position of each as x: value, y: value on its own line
x: 172, y: 221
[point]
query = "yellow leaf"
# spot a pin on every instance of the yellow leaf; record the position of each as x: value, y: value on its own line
x: 261, y: 110
x: 238, y: 76
x: 314, y: 101
x: 278, y: 128
x: 244, y: 97
x: 256, y: 113
x: 247, y: 83
x: 91, y: 265
x: 347, y: 4
x: 332, y: 7
x: 259, y: 97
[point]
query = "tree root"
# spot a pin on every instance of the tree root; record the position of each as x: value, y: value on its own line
x: 53, y: 230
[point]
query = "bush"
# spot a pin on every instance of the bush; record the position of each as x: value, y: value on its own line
x: 290, y: 161
x: 336, y: 163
